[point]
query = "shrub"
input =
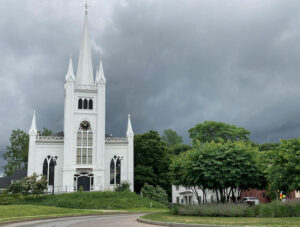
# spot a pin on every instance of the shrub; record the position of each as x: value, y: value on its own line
x: 125, y: 186
x: 274, y: 209
x: 155, y: 193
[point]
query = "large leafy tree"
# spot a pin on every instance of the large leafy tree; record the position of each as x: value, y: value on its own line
x: 211, y: 131
x: 16, y: 154
x: 284, y: 172
x: 151, y: 161
x: 225, y: 167
x: 171, y: 137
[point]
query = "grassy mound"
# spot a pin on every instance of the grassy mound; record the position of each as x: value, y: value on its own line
x: 86, y: 200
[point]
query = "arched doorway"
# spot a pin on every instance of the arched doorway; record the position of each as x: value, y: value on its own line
x: 84, y: 180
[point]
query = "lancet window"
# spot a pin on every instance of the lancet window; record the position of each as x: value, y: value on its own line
x: 84, y: 152
x: 85, y: 103
x: 115, y: 170
x: 48, y: 170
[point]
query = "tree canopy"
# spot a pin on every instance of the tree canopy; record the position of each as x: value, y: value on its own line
x: 284, y: 171
x: 225, y: 167
x: 212, y: 131
x: 151, y: 161
x: 16, y: 154
x: 171, y: 137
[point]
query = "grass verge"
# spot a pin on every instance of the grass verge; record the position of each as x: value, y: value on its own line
x: 87, y: 200
x: 25, y: 212
x: 167, y: 217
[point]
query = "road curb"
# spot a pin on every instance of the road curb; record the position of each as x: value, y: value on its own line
x: 141, y: 220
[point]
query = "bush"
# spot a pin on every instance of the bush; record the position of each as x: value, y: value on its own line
x: 29, y: 185
x: 155, y: 193
x: 125, y: 186
x: 274, y: 209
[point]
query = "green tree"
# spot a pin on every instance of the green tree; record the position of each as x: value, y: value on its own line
x: 171, y: 137
x: 179, y: 148
x: 45, y: 132
x: 151, y: 161
x: 212, y: 131
x: 16, y: 154
x: 155, y: 193
x: 284, y: 172
x: 225, y: 167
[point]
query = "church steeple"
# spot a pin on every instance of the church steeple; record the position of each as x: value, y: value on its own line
x: 85, y: 68
x: 100, y: 78
x: 129, y: 131
x: 70, y: 74
x: 33, y: 130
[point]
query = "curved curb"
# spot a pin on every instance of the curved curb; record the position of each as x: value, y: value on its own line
x: 141, y: 220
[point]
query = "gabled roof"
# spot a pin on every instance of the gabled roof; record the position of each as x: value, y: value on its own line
x: 17, y: 175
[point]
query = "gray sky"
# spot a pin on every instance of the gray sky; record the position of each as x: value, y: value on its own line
x: 171, y: 64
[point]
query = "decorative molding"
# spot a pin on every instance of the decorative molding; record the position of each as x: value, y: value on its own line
x: 86, y: 88
x: 116, y: 139
x: 55, y: 139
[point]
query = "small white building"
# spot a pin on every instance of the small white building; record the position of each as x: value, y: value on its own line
x: 82, y: 156
x: 185, y: 195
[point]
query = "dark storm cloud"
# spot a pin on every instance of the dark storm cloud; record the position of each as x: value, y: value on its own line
x: 171, y: 64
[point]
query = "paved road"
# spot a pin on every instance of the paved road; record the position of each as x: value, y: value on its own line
x: 120, y: 220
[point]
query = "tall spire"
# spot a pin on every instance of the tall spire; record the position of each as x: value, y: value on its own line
x: 85, y: 68
x: 129, y: 131
x: 70, y: 74
x: 33, y: 130
x: 100, y: 78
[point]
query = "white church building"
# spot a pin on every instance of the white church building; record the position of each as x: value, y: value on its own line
x: 82, y: 156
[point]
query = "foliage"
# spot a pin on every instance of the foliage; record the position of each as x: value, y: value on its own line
x: 225, y: 167
x: 155, y: 193
x: 151, y: 161
x: 29, y: 185
x: 274, y: 209
x: 124, y: 186
x: 284, y: 173
x: 171, y: 137
x: 212, y: 131
x: 45, y: 132
x: 179, y: 148
x: 88, y: 200
x: 268, y: 146
x: 16, y: 154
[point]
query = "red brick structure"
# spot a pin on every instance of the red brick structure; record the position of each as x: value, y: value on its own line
x: 260, y: 194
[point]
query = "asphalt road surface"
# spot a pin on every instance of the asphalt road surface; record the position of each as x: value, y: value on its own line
x: 119, y: 220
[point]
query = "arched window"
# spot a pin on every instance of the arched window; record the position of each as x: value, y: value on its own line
x: 84, y: 152
x: 48, y: 170
x: 115, y: 170
x: 112, y: 171
x: 45, y: 168
x: 90, y: 104
x: 118, y: 171
x: 85, y: 104
x: 80, y: 104
x: 51, y: 172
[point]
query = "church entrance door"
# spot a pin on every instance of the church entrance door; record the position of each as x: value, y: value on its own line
x: 85, y: 182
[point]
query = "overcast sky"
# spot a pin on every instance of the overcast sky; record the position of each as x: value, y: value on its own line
x: 170, y: 63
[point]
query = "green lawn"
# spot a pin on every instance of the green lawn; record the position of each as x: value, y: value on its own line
x: 24, y: 212
x: 166, y: 217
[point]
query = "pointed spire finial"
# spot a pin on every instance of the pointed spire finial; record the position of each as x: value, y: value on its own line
x: 85, y: 67
x: 129, y: 131
x: 100, y: 78
x: 70, y: 74
x: 86, y: 7
x: 33, y: 130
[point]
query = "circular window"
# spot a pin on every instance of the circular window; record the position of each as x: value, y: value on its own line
x: 85, y: 125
